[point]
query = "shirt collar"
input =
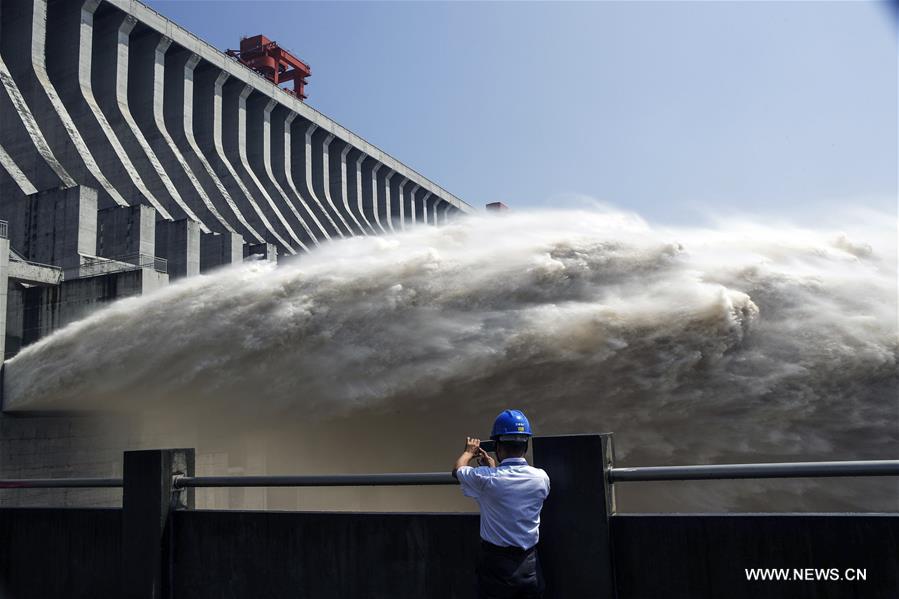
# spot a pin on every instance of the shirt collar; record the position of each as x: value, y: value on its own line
x: 513, y: 461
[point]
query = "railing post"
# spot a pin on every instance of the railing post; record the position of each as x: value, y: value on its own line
x: 575, y: 542
x: 4, y: 287
x: 147, y: 500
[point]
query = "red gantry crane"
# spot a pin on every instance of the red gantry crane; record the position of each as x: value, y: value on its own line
x: 273, y: 62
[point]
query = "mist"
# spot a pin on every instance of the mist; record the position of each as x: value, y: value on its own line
x: 739, y: 342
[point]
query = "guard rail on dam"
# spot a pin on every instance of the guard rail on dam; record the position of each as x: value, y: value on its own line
x: 122, y: 134
x: 158, y: 546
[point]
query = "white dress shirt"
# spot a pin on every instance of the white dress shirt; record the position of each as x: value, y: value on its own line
x: 510, y: 497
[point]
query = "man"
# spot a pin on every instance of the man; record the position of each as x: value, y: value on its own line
x: 510, y: 497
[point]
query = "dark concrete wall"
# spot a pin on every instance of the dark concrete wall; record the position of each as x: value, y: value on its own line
x: 695, y: 556
x: 55, y: 226
x: 125, y: 231
x: 47, y: 309
x: 65, y: 553
x: 289, y: 554
x: 73, y: 553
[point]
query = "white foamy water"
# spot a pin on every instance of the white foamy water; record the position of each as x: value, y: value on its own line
x: 737, y: 343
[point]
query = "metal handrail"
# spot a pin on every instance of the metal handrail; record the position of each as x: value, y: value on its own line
x: 324, y: 480
x: 60, y: 483
x: 17, y: 257
x: 405, y: 479
x: 741, y: 471
x: 101, y: 265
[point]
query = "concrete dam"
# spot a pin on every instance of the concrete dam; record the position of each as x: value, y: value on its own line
x: 222, y: 376
x: 132, y: 153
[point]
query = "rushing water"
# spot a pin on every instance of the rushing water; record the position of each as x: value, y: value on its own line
x: 735, y: 343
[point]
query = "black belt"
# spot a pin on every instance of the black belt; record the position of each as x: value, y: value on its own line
x: 491, y: 548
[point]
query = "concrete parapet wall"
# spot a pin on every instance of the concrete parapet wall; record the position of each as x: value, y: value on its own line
x: 37, y: 556
x: 687, y: 556
x: 69, y: 553
x: 279, y: 554
x: 170, y: 549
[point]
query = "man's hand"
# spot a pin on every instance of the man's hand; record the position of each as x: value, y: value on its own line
x: 472, y: 446
x: 472, y: 450
x: 484, y: 459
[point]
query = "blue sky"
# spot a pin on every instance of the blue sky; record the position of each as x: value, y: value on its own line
x: 676, y: 110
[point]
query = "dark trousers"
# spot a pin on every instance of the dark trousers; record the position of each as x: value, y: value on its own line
x: 509, y: 573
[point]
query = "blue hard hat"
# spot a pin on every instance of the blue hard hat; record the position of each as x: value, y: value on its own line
x: 512, y: 423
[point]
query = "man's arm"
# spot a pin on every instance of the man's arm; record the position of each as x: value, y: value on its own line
x: 472, y: 450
